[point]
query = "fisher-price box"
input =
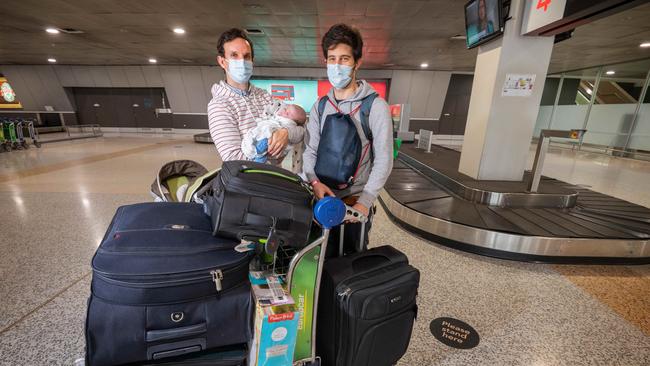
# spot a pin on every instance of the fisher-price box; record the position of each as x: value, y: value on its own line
x: 276, y: 326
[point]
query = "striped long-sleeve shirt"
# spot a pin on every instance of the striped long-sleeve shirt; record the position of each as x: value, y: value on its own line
x: 232, y: 113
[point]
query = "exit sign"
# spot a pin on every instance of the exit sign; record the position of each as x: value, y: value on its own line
x: 543, y: 4
x: 551, y: 17
x: 540, y: 13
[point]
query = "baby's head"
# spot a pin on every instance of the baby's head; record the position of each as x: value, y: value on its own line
x: 294, y: 112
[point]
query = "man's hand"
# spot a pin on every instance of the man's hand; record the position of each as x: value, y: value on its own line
x: 279, y: 141
x: 361, y: 208
x: 321, y: 190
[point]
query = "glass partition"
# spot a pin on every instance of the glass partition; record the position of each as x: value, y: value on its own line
x: 610, y: 101
x: 573, y: 101
x: 549, y: 94
x: 615, y: 104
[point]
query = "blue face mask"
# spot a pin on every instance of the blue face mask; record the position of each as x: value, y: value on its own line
x: 240, y: 70
x: 339, y: 75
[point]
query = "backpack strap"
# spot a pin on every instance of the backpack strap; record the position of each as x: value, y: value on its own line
x: 321, y: 107
x: 366, y: 106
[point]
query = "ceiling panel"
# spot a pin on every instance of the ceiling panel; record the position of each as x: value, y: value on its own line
x: 397, y: 34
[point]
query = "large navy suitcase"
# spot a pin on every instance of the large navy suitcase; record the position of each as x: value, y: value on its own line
x: 367, y: 308
x: 164, y: 286
x: 225, y: 356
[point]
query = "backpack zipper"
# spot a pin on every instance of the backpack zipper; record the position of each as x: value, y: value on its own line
x: 267, y: 172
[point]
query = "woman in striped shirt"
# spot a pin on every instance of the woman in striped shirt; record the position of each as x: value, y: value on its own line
x: 236, y: 104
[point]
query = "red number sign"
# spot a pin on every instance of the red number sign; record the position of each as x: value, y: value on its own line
x: 543, y: 4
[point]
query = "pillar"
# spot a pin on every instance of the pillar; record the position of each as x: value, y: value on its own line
x: 499, y: 127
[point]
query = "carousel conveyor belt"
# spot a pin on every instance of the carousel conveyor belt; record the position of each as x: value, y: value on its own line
x: 565, y: 223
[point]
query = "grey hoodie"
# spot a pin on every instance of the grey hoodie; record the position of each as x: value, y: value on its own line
x: 373, y: 175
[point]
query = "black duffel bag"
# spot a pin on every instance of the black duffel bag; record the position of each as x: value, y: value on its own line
x: 249, y: 200
x: 164, y: 286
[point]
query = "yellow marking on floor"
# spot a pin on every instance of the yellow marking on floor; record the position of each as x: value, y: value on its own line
x: 87, y: 160
x: 625, y: 289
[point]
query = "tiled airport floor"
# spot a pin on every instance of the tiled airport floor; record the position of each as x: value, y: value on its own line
x: 57, y: 202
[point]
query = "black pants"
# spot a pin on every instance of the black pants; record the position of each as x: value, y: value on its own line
x: 351, y: 237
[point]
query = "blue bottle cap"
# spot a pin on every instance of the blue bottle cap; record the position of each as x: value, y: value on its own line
x: 329, y: 212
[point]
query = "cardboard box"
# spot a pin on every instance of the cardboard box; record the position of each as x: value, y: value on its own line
x: 276, y: 328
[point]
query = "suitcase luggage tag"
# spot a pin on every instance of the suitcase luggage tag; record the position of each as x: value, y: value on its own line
x: 245, y: 246
x: 272, y: 241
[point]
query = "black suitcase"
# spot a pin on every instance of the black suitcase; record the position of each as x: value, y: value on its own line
x: 164, y: 286
x: 367, y: 308
x: 246, y: 199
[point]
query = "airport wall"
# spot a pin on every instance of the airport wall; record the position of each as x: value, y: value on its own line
x: 188, y: 87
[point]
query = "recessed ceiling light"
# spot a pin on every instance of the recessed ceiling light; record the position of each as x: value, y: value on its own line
x: 152, y: 60
x: 179, y: 30
x: 589, y: 91
x: 610, y: 72
x: 424, y: 65
x: 52, y: 30
x: 645, y: 45
x: 51, y: 60
x: 254, y: 31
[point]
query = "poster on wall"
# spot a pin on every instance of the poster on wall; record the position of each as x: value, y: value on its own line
x: 306, y: 92
x: 518, y: 85
x: 8, y: 98
x: 301, y: 92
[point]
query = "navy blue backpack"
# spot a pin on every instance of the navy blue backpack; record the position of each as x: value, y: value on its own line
x: 340, y: 150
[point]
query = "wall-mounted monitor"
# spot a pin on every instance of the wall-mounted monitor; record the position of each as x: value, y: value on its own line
x: 483, y: 21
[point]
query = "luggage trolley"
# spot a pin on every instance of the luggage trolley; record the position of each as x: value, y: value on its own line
x: 5, y: 144
x: 33, y: 132
x: 302, y: 269
x: 20, y: 136
x: 9, y: 128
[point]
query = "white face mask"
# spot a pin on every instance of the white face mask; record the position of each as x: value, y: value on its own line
x: 339, y: 75
x: 240, y: 70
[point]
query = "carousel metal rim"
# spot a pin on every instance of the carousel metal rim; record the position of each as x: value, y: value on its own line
x: 500, y: 242
x: 490, y: 198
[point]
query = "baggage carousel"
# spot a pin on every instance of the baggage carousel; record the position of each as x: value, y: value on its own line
x: 562, y: 223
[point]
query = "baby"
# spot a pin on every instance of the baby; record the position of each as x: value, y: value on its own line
x: 255, y: 143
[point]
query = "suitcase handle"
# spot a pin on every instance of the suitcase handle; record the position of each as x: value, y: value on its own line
x: 173, y: 333
x: 359, y: 262
x: 266, y: 221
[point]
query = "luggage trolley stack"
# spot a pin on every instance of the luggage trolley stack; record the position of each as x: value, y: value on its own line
x: 301, y: 269
x: 12, y: 134
x: 170, y: 282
